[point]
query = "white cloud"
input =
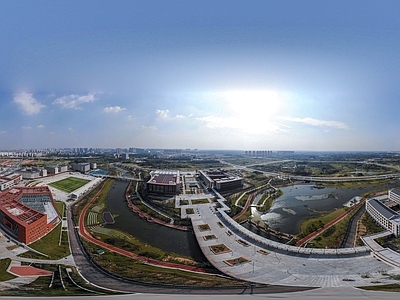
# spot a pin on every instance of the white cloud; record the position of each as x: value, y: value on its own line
x: 28, y: 104
x: 26, y: 127
x: 319, y: 123
x: 74, y: 101
x: 41, y: 126
x: 113, y: 109
x: 214, y: 122
x: 246, y: 125
x: 70, y: 129
x: 130, y: 117
x: 148, y: 127
x: 162, y: 113
x: 3, y: 132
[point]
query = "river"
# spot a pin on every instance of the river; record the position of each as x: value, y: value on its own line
x: 297, y: 203
x: 168, y: 239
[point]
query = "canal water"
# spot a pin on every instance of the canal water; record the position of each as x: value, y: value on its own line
x: 168, y: 239
x: 299, y: 202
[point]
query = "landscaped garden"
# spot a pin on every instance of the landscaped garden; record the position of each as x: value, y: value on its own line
x: 220, y: 224
x: 219, y: 249
x: 209, y: 237
x: 236, y: 261
x: 262, y: 251
x: 189, y: 211
x: 200, y: 201
x: 204, y: 227
x: 244, y: 243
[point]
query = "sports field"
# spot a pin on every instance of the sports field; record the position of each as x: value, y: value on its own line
x: 69, y: 184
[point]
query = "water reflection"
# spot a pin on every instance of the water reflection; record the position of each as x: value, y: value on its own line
x: 302, y: 201
x: 170, y: 240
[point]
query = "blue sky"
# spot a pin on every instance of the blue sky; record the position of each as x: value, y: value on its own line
x: 245, y: 75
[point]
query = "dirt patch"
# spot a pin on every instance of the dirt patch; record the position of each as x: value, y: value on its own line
x: 12, y: 247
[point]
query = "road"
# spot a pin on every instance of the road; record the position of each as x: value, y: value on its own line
x: 317, y: 294
x: 98, y: 277
x: 350, y: 238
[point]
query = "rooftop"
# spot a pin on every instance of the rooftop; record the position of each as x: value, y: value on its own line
x: 382, y: 209
x: 165, y: 178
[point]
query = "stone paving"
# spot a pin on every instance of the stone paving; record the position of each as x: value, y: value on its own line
x: 275, y: 266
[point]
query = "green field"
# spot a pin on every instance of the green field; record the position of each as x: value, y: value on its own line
x: 69, y: 184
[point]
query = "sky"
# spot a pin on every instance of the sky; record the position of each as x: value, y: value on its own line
x: 235, y: 75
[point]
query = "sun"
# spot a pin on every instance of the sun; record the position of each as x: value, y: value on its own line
x: 253, y: 103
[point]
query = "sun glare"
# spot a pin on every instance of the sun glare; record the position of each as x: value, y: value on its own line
x: 253, y: 102
x: 253, y: 110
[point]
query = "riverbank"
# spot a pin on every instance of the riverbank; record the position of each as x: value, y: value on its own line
x: 144, y: 268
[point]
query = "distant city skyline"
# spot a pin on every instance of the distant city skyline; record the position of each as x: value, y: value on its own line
x: 259, y: 75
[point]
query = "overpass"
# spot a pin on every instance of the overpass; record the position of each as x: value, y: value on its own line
x: 121, y: 178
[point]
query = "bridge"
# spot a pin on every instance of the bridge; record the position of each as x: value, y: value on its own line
x: 120, y: 178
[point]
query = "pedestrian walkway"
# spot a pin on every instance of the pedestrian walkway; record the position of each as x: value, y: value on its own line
x: 246, y: 257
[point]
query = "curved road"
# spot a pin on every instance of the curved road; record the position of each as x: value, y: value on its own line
x: 98, y: 277
x: 351, y: 234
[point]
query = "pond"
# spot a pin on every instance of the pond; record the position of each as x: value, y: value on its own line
x: 299, y: 202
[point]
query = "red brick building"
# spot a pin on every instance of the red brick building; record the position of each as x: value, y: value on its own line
x: 164, y: 182
x: 28, y: 213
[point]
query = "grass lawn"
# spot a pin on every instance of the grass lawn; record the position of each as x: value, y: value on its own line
x: 69, y: 184
x: 127, y: 267
x: 4, y: 275
x: 312, y: 224
x: 49, y: 245
x: 383, y: 288
x: 41, y: 286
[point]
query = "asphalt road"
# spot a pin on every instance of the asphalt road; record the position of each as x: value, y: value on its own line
x: 351, y: 233
x: 325, y: 294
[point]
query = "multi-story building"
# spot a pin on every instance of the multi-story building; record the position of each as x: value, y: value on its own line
x: 62, y: 169
x: 32, y: 172
x: 81, y: 167
x: 164, y: 182
x: 53, y: 170
x: 28, y: 213
x: 9, y: 181
x: 394, y: 195
x: 220, y: 180
x: 383, y: 214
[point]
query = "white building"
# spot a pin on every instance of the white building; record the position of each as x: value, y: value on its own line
x: 81, y: 167
x: 9, y: 180
x: 384, y: 215
x: 52, y: 169
x: 394, y: 195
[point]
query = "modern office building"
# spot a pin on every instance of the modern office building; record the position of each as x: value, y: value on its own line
x: 81, y: 167
x: 383, y: 213
x: 220, y: 180
x: 10, y: 180
x: 28, y: 213
x: 52, y: 170
x: 394, y: 195
x: 164, y: 182
x: 62, y: 168
x: 32, y: 173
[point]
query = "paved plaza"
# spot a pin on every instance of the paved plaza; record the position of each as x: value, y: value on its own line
x: 262, y: 264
